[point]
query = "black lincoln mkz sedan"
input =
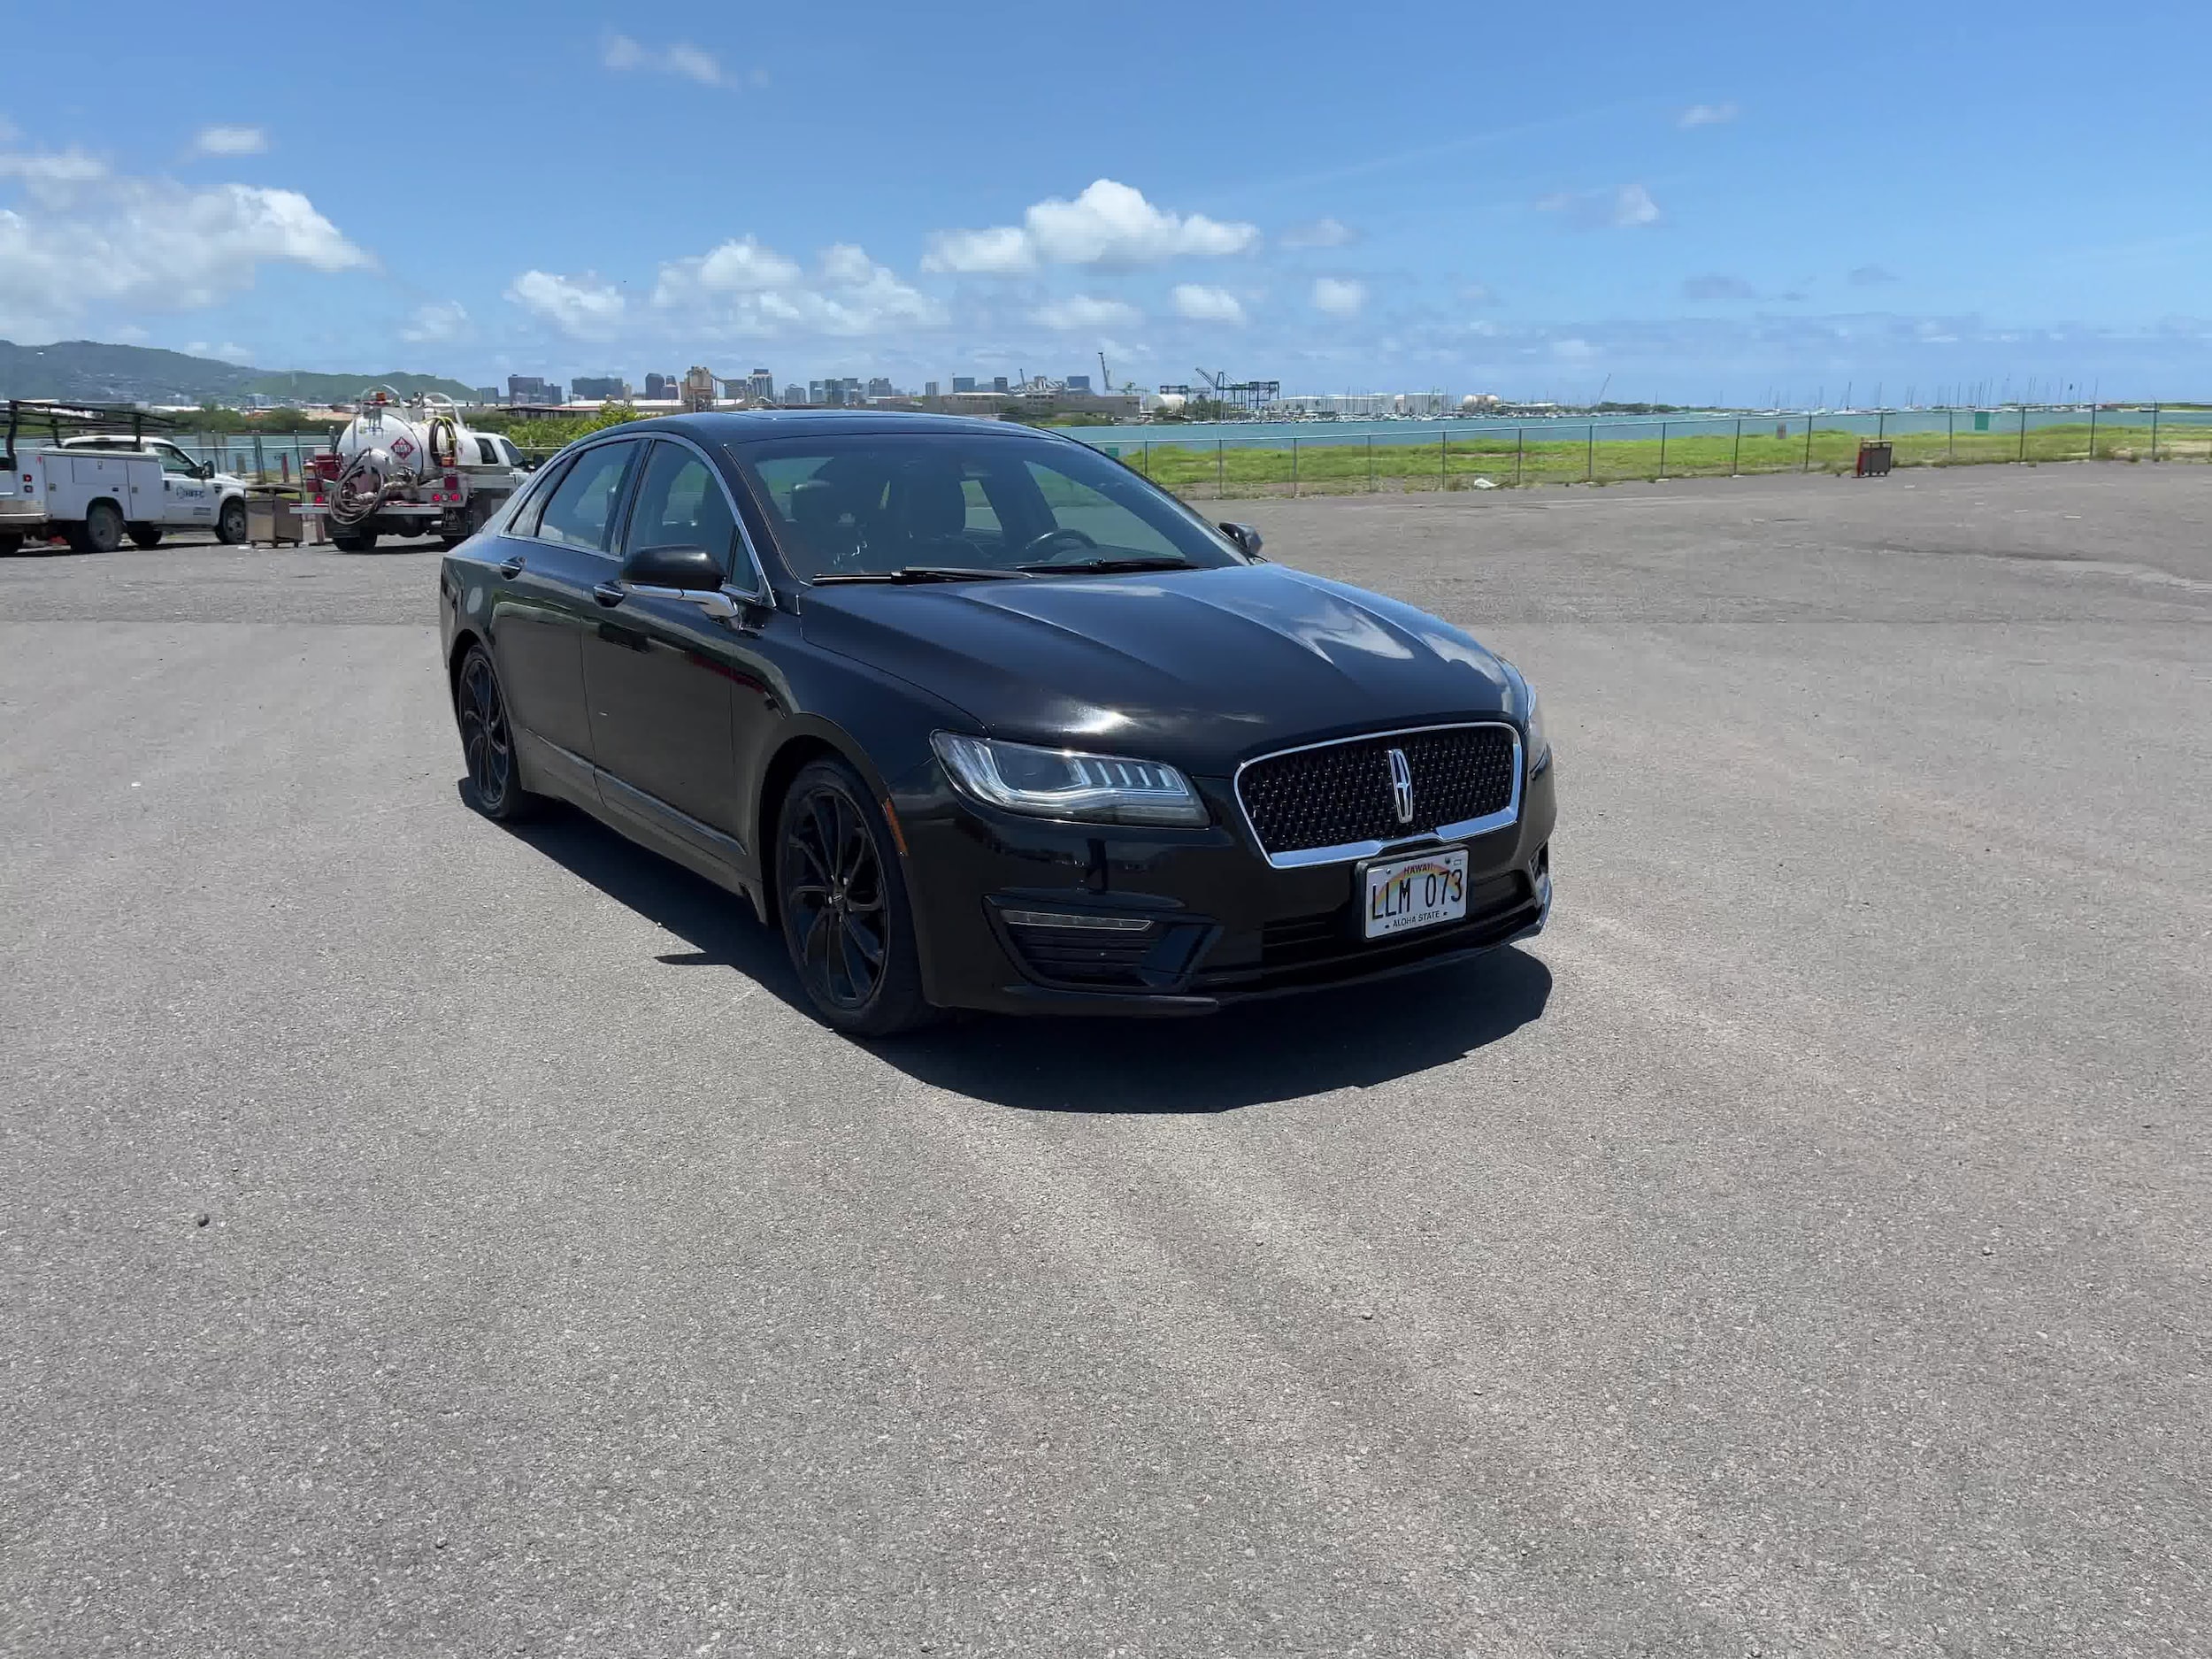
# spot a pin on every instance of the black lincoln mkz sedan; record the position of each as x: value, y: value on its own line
x: 980, y: 719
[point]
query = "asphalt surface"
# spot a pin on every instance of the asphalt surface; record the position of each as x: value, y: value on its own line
x: 417, y: 1238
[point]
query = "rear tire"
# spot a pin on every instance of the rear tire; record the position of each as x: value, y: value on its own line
x: 146, y: 534
x: 101, y: 531
x: 230, y: 522
x: 841, y: 899
x: 487, y: 742
x: 10, y: 542
x: 353, y: 541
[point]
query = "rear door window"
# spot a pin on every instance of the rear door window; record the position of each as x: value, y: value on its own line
x: 580, y: 511
x: 534, y: 500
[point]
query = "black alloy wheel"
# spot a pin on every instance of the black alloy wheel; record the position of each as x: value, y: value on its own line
x: 230, y: 522
x: 487, y: 742
x: 842, y: 902
x: 146, y: 535
x: 102, y: 531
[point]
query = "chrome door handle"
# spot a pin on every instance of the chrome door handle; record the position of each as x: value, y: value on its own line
x: 511, y: 567
x: 610, y: 593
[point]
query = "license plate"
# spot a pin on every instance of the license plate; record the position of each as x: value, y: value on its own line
x: 1417, y: 892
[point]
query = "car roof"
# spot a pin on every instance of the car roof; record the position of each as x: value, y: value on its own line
x: 753, y: 425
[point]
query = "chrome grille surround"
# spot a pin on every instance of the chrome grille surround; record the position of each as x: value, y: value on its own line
x: 1350, y: 851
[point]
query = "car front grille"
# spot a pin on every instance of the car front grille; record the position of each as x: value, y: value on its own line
x: 1082, y: 955
x: 1344, y: 794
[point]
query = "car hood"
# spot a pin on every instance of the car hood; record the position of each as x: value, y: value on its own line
x: 1200, y: 668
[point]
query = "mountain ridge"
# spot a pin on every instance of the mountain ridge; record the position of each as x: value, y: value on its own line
x: 94, y: 371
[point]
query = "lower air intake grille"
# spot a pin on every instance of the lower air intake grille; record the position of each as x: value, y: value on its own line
x: 1084, y: 956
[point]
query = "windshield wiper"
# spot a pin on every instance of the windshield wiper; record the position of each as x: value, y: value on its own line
x: 923, y: 573
x: 1103, y: 567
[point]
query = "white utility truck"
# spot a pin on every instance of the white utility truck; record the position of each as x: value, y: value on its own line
x: 95, y: 488
x: 409, y: 467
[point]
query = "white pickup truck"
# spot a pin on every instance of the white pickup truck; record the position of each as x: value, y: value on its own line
x: 95, y: 489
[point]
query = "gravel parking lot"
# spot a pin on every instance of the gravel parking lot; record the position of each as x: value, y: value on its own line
x: 419, y: 1238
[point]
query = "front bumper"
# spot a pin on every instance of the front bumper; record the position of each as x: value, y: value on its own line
x: 1175, y: 922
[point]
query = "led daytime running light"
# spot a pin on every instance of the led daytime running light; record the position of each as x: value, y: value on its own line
x: 1059, y: 783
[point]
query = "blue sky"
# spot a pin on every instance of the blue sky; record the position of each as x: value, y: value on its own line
x: 1674, y: 203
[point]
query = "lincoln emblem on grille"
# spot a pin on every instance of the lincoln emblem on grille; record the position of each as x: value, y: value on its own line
x: 1402, y: 786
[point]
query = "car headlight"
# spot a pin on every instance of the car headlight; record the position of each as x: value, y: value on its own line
x: 1057, y: 783
x: 1531, y: 713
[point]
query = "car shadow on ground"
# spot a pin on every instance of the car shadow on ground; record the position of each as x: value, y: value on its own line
x: 1358, y: 1037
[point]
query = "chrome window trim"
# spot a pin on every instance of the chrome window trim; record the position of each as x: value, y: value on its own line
x: 1352, y: 852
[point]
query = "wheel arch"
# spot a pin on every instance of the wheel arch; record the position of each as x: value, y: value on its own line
x: 809, y: 740
x: 463, y: 638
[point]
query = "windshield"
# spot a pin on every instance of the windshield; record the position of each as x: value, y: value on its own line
x: 861, y: 505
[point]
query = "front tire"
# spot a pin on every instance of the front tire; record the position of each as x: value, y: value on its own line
x: 146, y: 535
x: 230, y: 522
x: 842, y: 898
x: 487, y: 742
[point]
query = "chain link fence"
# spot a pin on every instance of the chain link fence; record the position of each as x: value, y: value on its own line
x: 1483, y: 455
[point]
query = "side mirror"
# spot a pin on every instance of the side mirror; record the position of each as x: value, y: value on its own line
x: 1245, y: 536
x: 685, y: 570
x: 207, y: 470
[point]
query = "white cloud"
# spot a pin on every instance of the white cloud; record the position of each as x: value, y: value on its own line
x: 680, y: 58
x: 1082, y: 311
x: 1108, y: 224
x: 583, y: 306
x: 1320, y: 232
x: 55, y: 178
x: 1003, y: 250
x: 1627, y: 208
x: 1706, y: 115
x: 1339, y: 297
x: 84, y: 237
x: 1573, y: 349
x: 1478, y: 293
x: 741, y: 265
x: 229, y: 141
x: 1203, y: 305
x: 1870, y: 276
x: 230, y: 352
x: 436, y: 324
x: 745, y: 288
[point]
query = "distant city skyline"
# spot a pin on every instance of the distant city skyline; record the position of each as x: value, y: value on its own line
x: 1642, y: 207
